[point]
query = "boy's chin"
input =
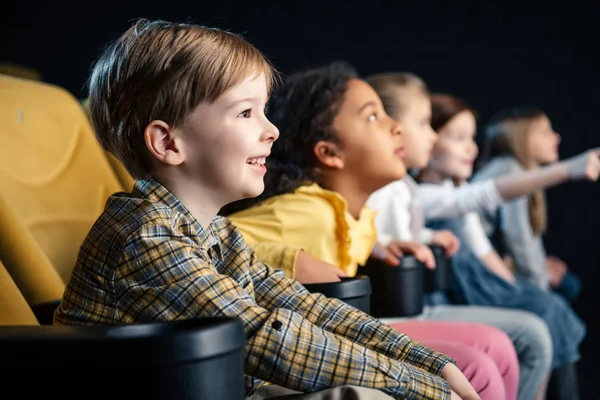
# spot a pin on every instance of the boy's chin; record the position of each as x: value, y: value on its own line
x: 254, y: 191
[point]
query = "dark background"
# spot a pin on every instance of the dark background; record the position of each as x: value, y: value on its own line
x: 492, y: 55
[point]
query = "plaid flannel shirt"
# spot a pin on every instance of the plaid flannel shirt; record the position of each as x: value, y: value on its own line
x: 148, y: 259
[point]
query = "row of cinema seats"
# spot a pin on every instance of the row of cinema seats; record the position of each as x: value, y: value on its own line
x: 54, y: 180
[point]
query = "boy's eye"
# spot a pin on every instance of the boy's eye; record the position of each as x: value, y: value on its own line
x: 246, y: 113
x: 373, y: 117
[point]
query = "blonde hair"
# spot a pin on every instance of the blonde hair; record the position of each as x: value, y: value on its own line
x: 507, y: 133
x: 159, y: 70
x: 395, y: 90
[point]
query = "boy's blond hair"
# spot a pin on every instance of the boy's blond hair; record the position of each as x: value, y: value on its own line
x: 159, y: 70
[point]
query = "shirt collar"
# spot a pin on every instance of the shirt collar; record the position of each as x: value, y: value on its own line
x: 155, y: 191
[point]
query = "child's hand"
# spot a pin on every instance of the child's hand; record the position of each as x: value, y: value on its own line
x: 312, y: 270
x: 454, y: 396
x: 461, y: 388
x: 497, y: 266
x: 557, y: 270
x: 421, y: 252
x: 382, y: 253
x: 447, y: 240
x: 585, y: 165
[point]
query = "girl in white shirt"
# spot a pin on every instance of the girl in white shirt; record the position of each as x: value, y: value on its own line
x: 399, y: 225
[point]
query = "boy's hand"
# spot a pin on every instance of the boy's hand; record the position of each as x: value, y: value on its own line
x: 461, y: 388
x: 312, y: 270
x: 454, y: 396
x: 421, y: 252
x: 447, y: 240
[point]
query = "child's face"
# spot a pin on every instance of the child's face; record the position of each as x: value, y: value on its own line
x: 225, y: 143
x: 417, y: 134
x: 542, y: 142
x: 455, y: 150
x: 370, y: 141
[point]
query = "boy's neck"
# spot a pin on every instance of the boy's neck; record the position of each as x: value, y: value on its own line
x: 201, y: 202
x: 355, y: 197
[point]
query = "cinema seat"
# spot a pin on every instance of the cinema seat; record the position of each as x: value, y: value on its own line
x: 186, y: 359
x: 14, y: 309
x: 54, y: 181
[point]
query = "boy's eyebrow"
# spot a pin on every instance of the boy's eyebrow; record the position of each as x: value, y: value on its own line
x: 235, y: 103
x: 367, y: 104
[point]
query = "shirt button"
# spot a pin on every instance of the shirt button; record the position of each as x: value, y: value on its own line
x: 277, y: 325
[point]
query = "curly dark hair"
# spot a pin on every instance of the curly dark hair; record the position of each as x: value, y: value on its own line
x: 303, y: 109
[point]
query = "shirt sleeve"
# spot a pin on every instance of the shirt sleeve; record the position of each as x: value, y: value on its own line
x: 273, y: 290
x: 522, y: 244
x: 426, y: 235
x: 278, y: 233
x: 475, y: 236
x: 393, y: 217
x: 442, y: 201
x: 164, y: 275
x: 383, y: 238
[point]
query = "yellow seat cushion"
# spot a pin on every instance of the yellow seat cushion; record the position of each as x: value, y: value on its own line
x: 14, y: 309
x: 54, y: 181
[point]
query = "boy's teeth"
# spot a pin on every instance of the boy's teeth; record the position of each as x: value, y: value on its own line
x: 257, y: 161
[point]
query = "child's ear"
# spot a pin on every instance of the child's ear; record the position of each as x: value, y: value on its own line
x: 329, y: 154
x: 162, y: 143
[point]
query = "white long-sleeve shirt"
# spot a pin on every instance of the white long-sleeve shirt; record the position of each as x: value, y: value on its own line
x: 448, y: 201
x: 393, y: 206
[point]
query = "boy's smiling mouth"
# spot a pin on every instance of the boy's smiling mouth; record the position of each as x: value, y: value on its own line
x: 258, y: 162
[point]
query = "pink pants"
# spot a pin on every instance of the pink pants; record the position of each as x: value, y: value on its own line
x: 484, y: 354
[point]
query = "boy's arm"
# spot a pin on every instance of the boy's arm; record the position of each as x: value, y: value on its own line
x: 165, y: 276
x: 274, y: 290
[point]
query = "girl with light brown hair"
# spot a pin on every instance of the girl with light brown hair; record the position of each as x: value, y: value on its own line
x: 519, y: 139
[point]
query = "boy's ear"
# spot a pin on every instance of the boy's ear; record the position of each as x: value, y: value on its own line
x: 162, y: 144
x: 329, y: 154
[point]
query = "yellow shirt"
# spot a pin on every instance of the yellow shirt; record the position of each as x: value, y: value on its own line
x: 313, y: 219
